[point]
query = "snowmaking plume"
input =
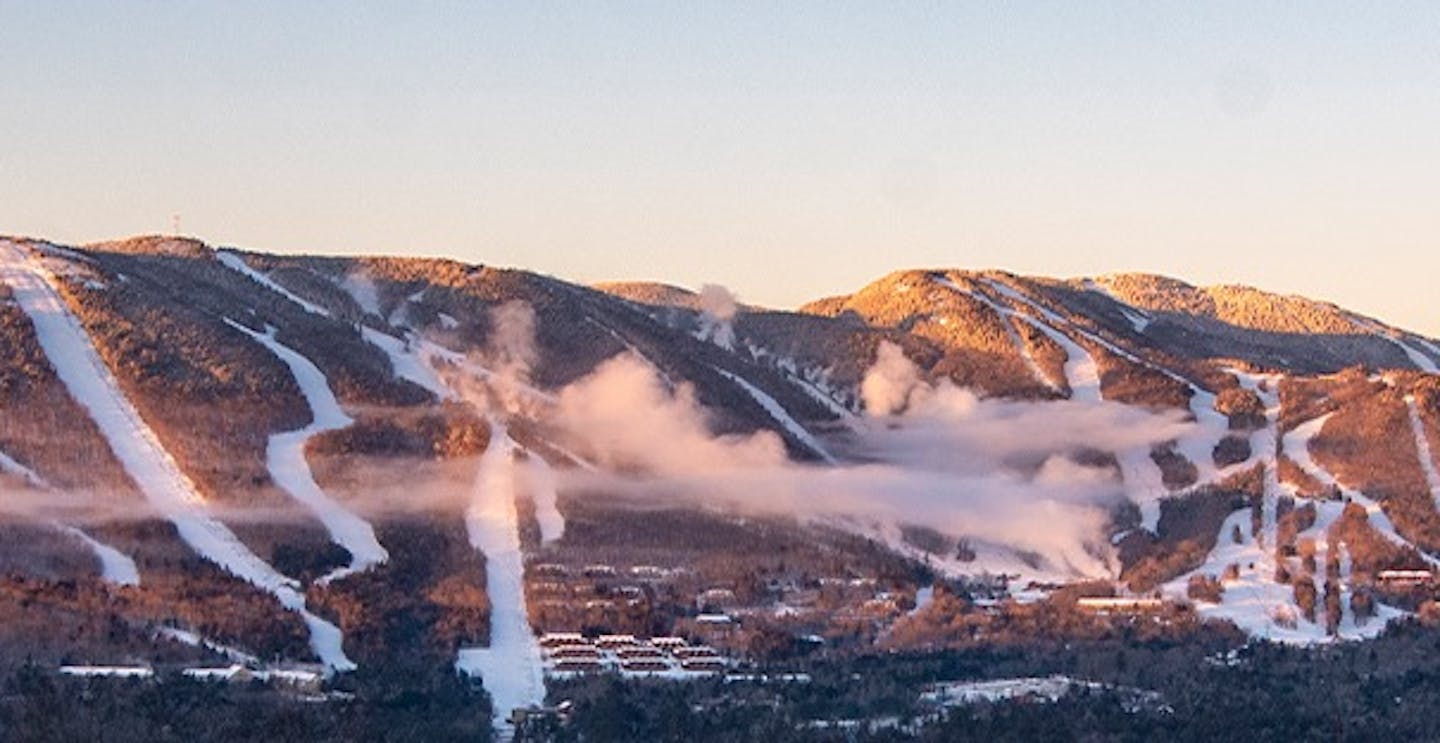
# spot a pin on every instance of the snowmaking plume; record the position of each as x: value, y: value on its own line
x: 718, y: 308
x: 1001, y: 472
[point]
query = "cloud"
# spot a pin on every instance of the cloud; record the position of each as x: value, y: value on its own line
x: 1002, y: 472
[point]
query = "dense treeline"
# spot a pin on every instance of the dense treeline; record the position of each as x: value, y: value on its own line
x: 394, y: 704
x: 1207, y: 690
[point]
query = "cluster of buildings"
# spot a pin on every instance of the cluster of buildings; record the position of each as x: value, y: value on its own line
x: 569, y: 653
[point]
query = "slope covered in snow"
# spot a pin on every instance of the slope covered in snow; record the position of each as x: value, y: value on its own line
x: 158, y: 476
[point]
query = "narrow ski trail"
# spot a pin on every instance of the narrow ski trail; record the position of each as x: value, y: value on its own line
x: 510, y: 666
x: 285, y: 458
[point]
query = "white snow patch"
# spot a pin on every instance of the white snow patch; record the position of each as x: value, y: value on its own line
x: 128, y: 672
x: 9, y: 464
x: 115, y: 566
x: 362, y: 289
x: 193, y: 639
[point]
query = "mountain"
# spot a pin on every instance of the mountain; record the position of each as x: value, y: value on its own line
x: 359, y: 462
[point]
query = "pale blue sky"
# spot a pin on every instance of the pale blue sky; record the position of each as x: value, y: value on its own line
x: 787, y: 150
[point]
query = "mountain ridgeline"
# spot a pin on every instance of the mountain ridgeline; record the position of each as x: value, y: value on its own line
x: 280, y: 454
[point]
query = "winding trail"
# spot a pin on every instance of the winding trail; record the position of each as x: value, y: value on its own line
x: 404, y: 360
x: 1297, y: 447
x: 167, y: 488
x: 285, y: 458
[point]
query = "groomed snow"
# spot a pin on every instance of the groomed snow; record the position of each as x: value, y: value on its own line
x: 1139, y: 319
x: 1253, y: 600
x: 511, y: 667
x: 780, y: 415
x: 285, y: 458
x: 1198, y: 446
x: 145, y: 459
x: 234, y: 262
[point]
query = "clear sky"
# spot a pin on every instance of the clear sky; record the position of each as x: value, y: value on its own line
x: 788, y: 150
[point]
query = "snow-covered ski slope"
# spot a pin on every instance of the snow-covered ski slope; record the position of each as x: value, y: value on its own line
x: 1427, y: 457
x: 167, y: 488
x: 780, y: 415
x: 285, y: 458
x: 1253, y: 599
x: 511, y: 667
x: 115, y: 566
x: 405, y: 360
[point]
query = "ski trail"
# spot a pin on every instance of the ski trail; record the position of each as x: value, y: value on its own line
x: 1297, y: 447
x: 780, y: 415
x: 145, y: 459
x: 186, y: 637
x: 1145, y: 484
x: 539, y: 481
x: 1144, y: 481
x: 1422, y: 444
x: 404, y: 361
x: 115, y: 566
x: 1082, y: 373
x: 511, y: 666
x: 1253, y: 600
x: 1198, y: 447
x: 1417, y: 357
x: 9, y: 464
x: 1139, y: 319
x: 1007, y: 316
x: 1264, y: 444
x: 285, y: 458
